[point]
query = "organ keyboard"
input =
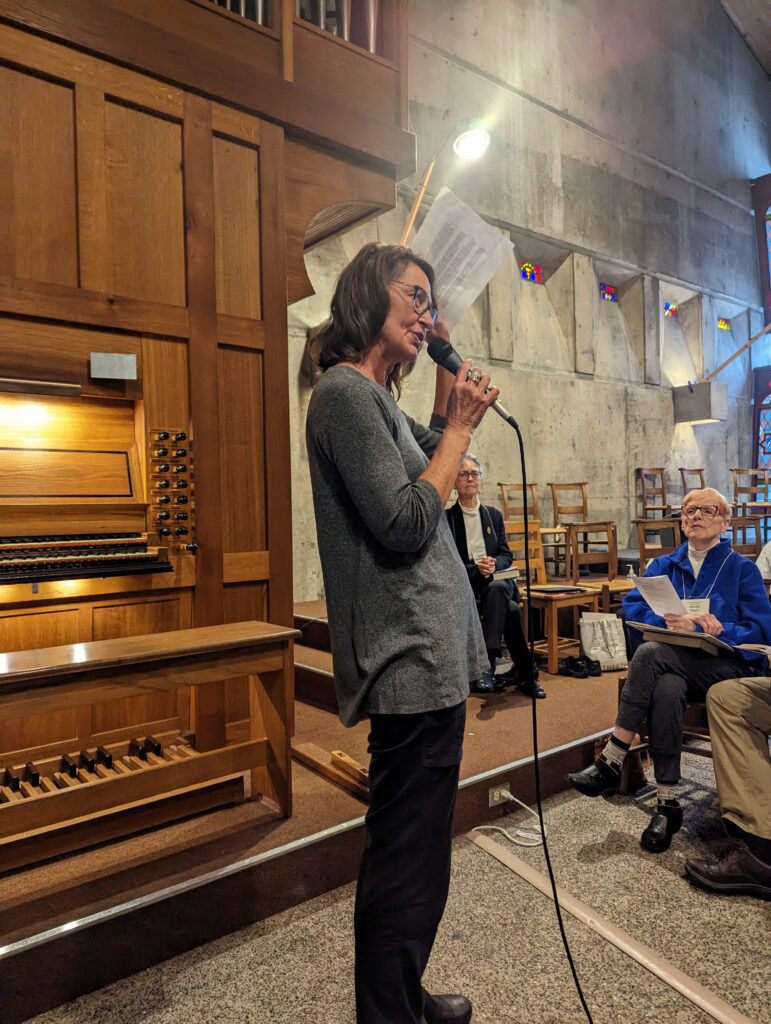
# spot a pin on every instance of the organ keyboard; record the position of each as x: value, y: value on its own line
x: 65, y: 557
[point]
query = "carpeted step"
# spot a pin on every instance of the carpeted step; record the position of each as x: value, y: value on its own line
x: 313, y: 677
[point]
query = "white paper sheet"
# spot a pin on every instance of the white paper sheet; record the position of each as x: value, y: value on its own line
x: 659, y: 594
x: 464, y: 251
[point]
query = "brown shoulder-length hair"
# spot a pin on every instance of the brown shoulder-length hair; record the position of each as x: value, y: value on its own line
x: 360, y: 306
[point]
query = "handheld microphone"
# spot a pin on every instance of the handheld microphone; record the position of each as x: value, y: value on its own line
x: 444, y: 354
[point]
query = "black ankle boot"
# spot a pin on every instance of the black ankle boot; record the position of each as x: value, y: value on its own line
x: 597, y: 779
x: 663, y: 825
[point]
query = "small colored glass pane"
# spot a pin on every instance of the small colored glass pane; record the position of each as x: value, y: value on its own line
x: 530, y: 272
x: 723, y: 324
x: 670, y: 309
x: 608, y: 292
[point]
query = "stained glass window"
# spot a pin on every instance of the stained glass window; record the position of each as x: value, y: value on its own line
x: 764, y: 434
x: 670, y: 309
x: 607, y: 292
x: 530, y: 272
x: 723, y: 324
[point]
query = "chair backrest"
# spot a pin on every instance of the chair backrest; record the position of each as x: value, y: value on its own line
x: 750, y: 486
x: 657, y: 537
x: 513, y: 508
x: 745, y: 535
x: 693, y: 480
x: 653, y: 492
x: 570, y: 503
x: 515, y: 534
x: 593, y: 544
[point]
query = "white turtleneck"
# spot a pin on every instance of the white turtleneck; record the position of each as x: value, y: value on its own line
x: 696, y: 558
x: 475, y: 540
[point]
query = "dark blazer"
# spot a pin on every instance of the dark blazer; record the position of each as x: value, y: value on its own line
x: 495, y: 544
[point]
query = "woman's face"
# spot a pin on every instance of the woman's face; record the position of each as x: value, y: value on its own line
x: 468, y: 483
x: 404, y: 331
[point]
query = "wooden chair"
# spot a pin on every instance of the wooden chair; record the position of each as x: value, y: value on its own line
x: 570, y: 504
x: 693, y: 479
x: 745, y: 535
x: 515, y: 534
x: 593, y: 545
x: 653, y: 492
x: 751, y: 494
x: 513, y: 509
x: 550, y: 603
x: 657, y: 537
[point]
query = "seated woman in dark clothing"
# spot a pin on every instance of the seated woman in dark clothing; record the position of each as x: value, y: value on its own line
x: 481, y: 541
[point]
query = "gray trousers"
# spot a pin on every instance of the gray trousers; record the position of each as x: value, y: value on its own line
x: 662, y: 679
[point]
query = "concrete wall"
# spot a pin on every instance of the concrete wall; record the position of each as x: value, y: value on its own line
x: 625, y: 135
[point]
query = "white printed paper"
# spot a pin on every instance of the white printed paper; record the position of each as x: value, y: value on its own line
x: 659, y: 594
x: 464, y: 251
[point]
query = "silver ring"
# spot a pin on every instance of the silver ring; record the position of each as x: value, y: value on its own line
x: 474, y: 375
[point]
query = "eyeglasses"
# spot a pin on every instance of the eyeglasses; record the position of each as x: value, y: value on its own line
x: 420, y: 300
x: 707, y: 511
x: 470, y: 474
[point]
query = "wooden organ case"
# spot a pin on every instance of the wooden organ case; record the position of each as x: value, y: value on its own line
x: 156, y: 216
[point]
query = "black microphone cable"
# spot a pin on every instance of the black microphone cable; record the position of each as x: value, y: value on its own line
x: 533, y: 704
x: 443, y: 353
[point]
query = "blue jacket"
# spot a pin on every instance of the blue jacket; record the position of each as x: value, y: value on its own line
x: 738, y: 598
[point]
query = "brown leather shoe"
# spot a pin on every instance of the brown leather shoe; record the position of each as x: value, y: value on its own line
x: 737, y: 873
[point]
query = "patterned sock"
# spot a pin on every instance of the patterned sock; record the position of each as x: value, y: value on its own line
x: 615, y: 753
x: 666, y: 793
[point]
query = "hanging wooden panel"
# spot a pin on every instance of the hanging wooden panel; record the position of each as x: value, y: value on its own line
x: 237, y: 228
x: 38, y: 206
x: 145, y: 218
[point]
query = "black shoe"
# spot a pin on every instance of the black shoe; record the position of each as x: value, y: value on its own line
x: 664, y: 823
x: 527, y: 689
x: 575, y: 667
x: 737, y: 873
x: 597, y: 779
x: 593, y: 667
x: 499, y: 684
x: 485, y: 684
x: 449, y: 1009
x: 510, y: 677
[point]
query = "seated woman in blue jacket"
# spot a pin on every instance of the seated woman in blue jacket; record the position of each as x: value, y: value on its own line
x: 727, y: 599
x: 480, y: 538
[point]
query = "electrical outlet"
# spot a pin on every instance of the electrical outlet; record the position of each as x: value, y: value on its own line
x: 495, y: 794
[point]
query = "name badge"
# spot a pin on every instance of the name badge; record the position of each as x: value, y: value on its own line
x: 696, y: 605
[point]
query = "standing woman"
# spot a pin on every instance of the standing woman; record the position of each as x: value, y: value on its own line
x: 404, y: 629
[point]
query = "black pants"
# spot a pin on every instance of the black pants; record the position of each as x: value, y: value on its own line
x: 502, y: 617
x: 662, y: 679
x: 405, y: 868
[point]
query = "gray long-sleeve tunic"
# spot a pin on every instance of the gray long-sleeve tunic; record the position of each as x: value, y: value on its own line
x: 403, y: 623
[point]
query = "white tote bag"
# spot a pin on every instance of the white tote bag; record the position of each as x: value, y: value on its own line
x: 602, y: 639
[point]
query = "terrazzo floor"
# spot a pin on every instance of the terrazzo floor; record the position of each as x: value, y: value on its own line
x: 499, y: 941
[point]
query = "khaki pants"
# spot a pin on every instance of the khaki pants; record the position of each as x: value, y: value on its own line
x: 739, y: 724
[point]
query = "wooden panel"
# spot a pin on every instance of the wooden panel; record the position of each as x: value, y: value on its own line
x: 316, y: 180
x: 243, y: 602
x: 166, y: 383
x: 243, y: 566
x: 50, y: 351
x: 92, y: 187
x: 136, y: 619
x: 278, y: 494
x: 144, y: 205
x: 242, y: 446
x: 38, y: 239
x: 28, y: 298
x: 49, y: 422
x: 64, y: 473
x: 24, y: 631
x: 237, y: 228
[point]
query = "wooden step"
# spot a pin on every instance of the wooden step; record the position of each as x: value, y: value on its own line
x: 314, y: 678
x: 310, y: 617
